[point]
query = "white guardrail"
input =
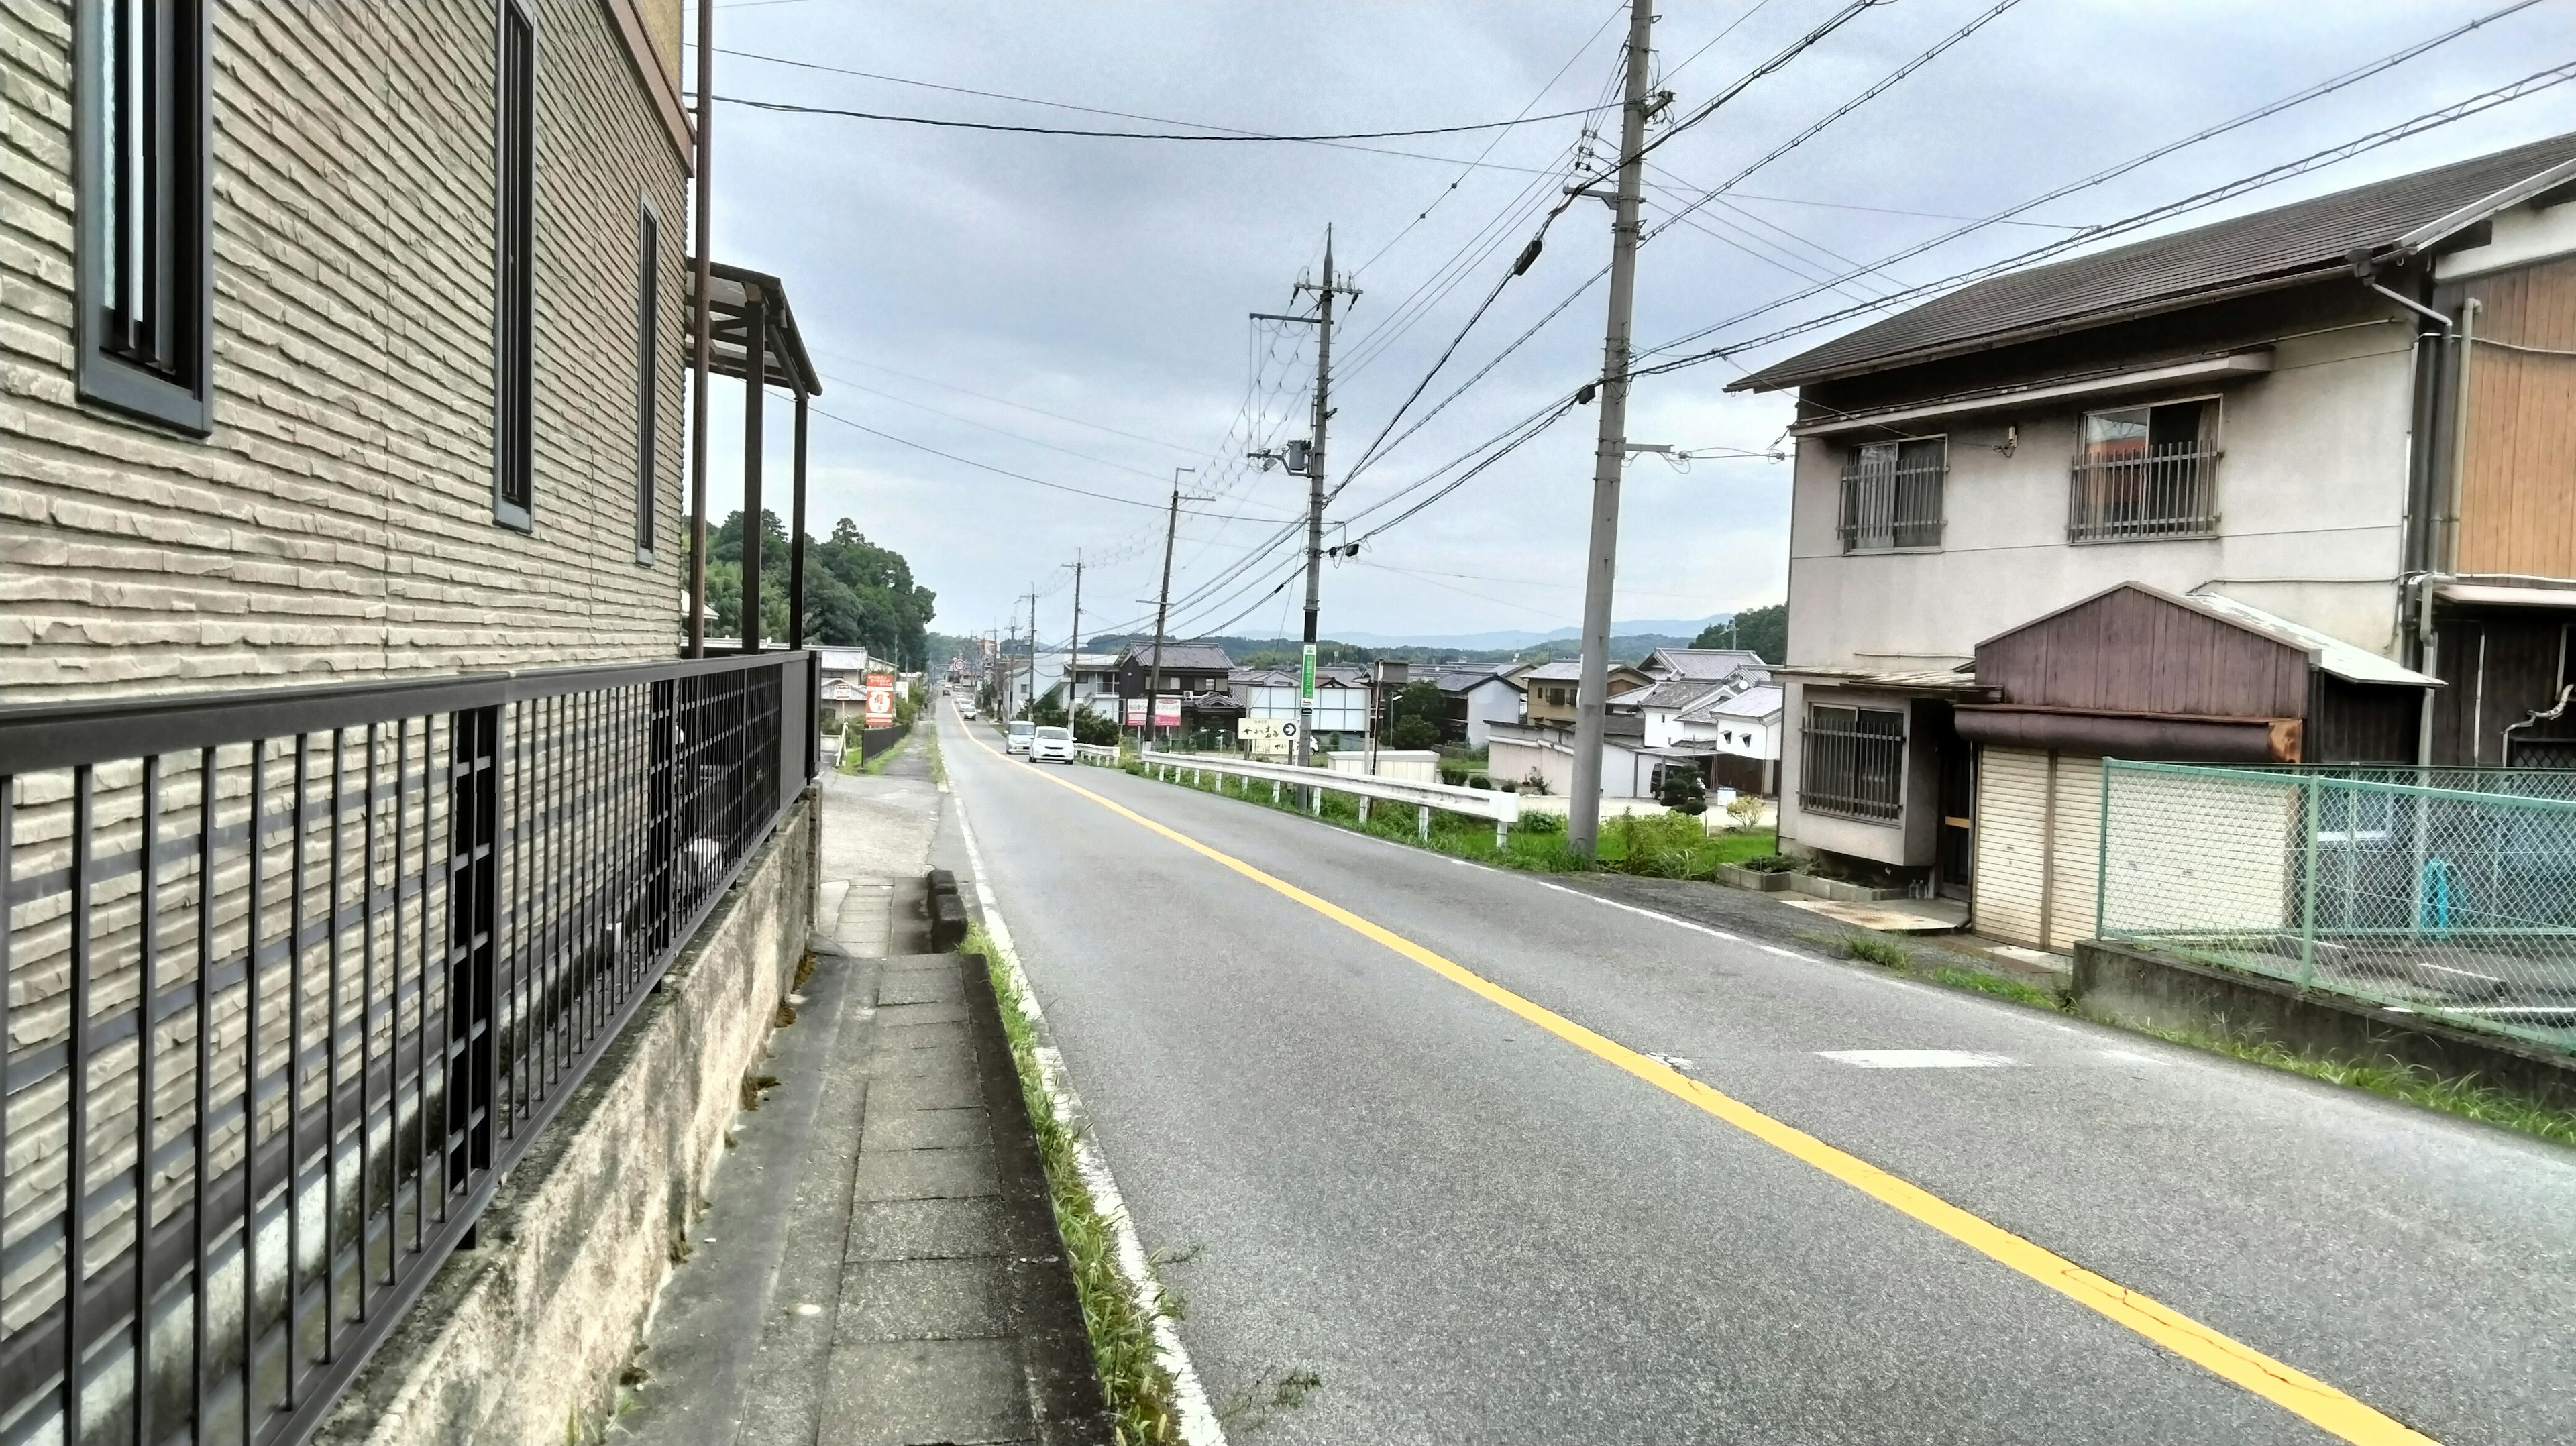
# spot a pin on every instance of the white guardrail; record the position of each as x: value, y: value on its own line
x: 1503, y: 808
x: 1095, y: 753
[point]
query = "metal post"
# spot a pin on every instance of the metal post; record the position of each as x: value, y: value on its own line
x: 796, y: 536
x: 2308, y: 893
x: 1422, y: 822
x: 1583, y: 809
x: 755, y: 390
x: 701, y: 335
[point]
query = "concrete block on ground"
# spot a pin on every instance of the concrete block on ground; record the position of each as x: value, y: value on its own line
x: 925, y: 1298
x: 910, y: 1229
x: 926, y: 1174
x: 914, y: 1393
x: 919, y: 986
x: 928, y: 1130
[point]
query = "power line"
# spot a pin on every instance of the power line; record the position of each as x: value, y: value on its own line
x: 1776, y: 62
x: 985, y: 466
x: 2321, y: 88
x: 1231, y: 135
x: 2485, y: 100
x: 1470, y: 168
x: 1001, y: 401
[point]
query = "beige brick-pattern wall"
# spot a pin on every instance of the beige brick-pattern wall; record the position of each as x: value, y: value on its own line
x: 337, y: 523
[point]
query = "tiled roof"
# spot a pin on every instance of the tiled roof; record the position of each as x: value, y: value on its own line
x: 1703, y: 662
x: 1184, y: 657
x: 2305, y: 236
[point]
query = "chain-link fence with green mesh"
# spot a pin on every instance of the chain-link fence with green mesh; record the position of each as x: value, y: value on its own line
x: 2444, y: 891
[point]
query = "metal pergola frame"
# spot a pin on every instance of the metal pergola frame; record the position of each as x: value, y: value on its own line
x: 748, y: 316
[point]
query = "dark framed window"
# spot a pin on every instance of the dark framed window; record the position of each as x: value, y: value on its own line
x: 143, y: 158
x: 648, y: 371
x: 2146, y: 472
x: 1853, y: 762
x: 514, y: 272
x: 1892, y: 494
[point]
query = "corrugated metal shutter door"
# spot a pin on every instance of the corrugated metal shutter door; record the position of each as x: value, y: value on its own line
x: 2011, y: 835
x: 2078, y: 853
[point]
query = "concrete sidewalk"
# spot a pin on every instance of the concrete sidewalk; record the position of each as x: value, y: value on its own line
x: 878, y: 1263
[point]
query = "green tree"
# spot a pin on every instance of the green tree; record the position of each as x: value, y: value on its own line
x: 1764, y: 630
x: 1417, y: 711
x: 1093, y: 728
x: 857, y: 594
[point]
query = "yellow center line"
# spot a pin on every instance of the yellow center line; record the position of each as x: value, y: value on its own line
x: 2275, y: 1381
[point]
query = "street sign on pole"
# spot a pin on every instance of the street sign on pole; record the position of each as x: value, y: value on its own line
x: 1167, y: 710
x: 880, y: 700
x: 1135, y: 712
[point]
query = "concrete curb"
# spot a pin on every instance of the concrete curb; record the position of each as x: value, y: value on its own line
x: 2121, y: 984
x: 1065, y: 1393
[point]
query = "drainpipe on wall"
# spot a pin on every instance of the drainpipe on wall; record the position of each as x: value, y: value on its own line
x: 2430, y: 509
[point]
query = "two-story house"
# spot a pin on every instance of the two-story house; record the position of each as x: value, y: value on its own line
x: 2297, y: 487
x: 1194, y: 672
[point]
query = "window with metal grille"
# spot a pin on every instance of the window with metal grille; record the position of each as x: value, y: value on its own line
x: 648, y: 333
x: 1892, y: 494
x: 2146, y: 472
x: 514, y: 285
x: 145, y: 240
x: 1853, y: 763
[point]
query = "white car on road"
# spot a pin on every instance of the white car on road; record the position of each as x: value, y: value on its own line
x: 1018, y: 741
x: 1050, y: 745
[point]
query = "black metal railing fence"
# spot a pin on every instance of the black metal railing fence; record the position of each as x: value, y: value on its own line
x: 293, y: 975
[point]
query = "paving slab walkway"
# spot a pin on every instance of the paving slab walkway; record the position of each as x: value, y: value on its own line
x: 877, y: 1264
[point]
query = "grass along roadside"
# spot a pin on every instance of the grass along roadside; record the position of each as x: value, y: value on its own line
x: 878, y: 763
x: 938, y: 765
x: 2413, y: 1085
x: 1142, y: 1399
x: 1673, y: 846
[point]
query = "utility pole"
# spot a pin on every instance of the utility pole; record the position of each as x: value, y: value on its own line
x: 701, y: 345
x: 1033, y: 650
x: 1162, y: 604
x: 1324, y: 294
x: 1583, y: 809
x: 1073, y: 646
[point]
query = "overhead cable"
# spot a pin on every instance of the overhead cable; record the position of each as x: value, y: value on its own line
x: 1226, y: 135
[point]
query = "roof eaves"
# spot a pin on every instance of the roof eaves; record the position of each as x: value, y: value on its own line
x: 1772, y: 379
x: 2434, y: 233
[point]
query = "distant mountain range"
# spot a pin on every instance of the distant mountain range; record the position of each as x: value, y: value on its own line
x: 1684, y: 629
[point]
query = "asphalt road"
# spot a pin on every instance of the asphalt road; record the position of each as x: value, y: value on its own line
x: 1475, y: 1230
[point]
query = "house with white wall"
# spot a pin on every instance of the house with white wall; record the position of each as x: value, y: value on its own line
x: 2294, y: 487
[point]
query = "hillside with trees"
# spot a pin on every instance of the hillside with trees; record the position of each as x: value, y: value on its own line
x: 857, y: 594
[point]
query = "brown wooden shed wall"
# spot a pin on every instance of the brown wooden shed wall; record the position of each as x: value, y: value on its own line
x: 2132, y: 651
x: 2517, y: 495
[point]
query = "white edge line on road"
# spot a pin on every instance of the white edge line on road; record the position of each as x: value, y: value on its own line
x: 1679, y: 922
x: 1199, y: 1426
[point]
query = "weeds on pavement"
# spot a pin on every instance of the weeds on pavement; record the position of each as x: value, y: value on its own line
x: 1141, y: 1397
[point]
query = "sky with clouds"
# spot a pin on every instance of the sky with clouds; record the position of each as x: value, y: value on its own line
x: 1076, y: 310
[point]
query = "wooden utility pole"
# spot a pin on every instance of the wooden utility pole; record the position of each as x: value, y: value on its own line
x: 1583, y: 808
x: 701, y: 344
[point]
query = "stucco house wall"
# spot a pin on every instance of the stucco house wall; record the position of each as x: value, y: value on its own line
x: 2311, y: 497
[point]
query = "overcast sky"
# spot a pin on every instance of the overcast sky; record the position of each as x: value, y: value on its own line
x: 1095, y: 292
